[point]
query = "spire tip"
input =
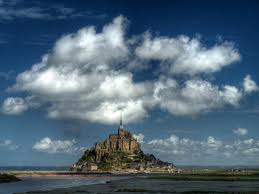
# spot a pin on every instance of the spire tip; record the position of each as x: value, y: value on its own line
x: 121, y: 125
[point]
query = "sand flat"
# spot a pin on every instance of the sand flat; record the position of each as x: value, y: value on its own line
x: 144, y: 185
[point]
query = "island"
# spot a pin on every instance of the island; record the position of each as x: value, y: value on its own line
x: 120, y: 152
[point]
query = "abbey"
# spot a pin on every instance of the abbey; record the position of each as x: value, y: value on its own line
x: 119, y: 152
x: 123, y: 141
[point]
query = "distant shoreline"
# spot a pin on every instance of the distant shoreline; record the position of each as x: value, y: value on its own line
x: 65, y: 168
x: 235, y: 170
x: 53, y: 173
x: 68, y: 173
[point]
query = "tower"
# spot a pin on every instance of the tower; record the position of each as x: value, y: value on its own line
x: 121, y: 125
x: 120, y: 129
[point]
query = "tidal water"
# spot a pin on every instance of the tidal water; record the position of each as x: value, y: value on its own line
x: 43, y: 183
x: 33, y: 168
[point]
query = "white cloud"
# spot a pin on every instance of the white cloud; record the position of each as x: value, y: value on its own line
x: 8, y: 144
x: 109, y: 112
x: 212, y: 142
x: 14, y: 106
x: 17, y: 9
x: 248, y: 141
x: 80, y: 80
x: 249, y: 85
x: 251, y: 151
x: 140, y: 137
x: 231, y: 95
x: 18, y: 105
x: 183, y: 55
x: 240, y: 131
x: 211, y: 150
x: 48, y: 145
x: 86, y: 76
x: 195, y: 96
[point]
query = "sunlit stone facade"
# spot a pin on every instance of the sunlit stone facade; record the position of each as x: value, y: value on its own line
x: 123, y: 141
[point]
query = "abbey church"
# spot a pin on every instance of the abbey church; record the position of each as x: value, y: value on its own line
x: 123, y: 141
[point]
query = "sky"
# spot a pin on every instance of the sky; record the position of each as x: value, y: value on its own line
x: 183, y: 74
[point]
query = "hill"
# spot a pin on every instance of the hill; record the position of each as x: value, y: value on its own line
x: 119, y: 152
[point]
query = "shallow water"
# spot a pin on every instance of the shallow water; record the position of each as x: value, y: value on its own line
x: 33, y: 168
x: 48, y: 183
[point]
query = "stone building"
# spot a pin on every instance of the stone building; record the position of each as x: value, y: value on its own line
x: 122, y: 141
x: 90, y: 167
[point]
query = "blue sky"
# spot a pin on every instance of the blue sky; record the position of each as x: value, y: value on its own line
x: 184, y: 75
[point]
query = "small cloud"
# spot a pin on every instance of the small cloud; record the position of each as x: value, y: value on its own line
x: 212, y: 142
x: 18, y: 9
x: 249, y: 85
x: 251, y: 151
x: 248, y: 141
x: 8, y: 144
x: 18, y: 105
x: 14, y: 106
x: 240, y: 131
x: 50, y: 146
x: 7, y: 75
x: 140, y: 137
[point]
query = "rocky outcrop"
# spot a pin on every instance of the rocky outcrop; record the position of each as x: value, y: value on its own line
x: 6, y: 178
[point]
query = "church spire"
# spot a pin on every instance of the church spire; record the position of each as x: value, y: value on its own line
x: 121, y: 125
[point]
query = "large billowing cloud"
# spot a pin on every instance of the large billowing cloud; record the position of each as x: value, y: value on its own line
x: 187, y: 56
x: 195, y: 96
x: 87, y: 76
x: 80, y: 79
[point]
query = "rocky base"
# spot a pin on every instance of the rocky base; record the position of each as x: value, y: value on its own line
x: 119, y: 160
x: 6, y: 178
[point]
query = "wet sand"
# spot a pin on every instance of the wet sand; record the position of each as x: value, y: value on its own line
x: 140, y: 184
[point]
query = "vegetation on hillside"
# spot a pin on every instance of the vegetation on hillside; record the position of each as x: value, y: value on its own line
x: 6, y: 178
x: 119, y: 160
